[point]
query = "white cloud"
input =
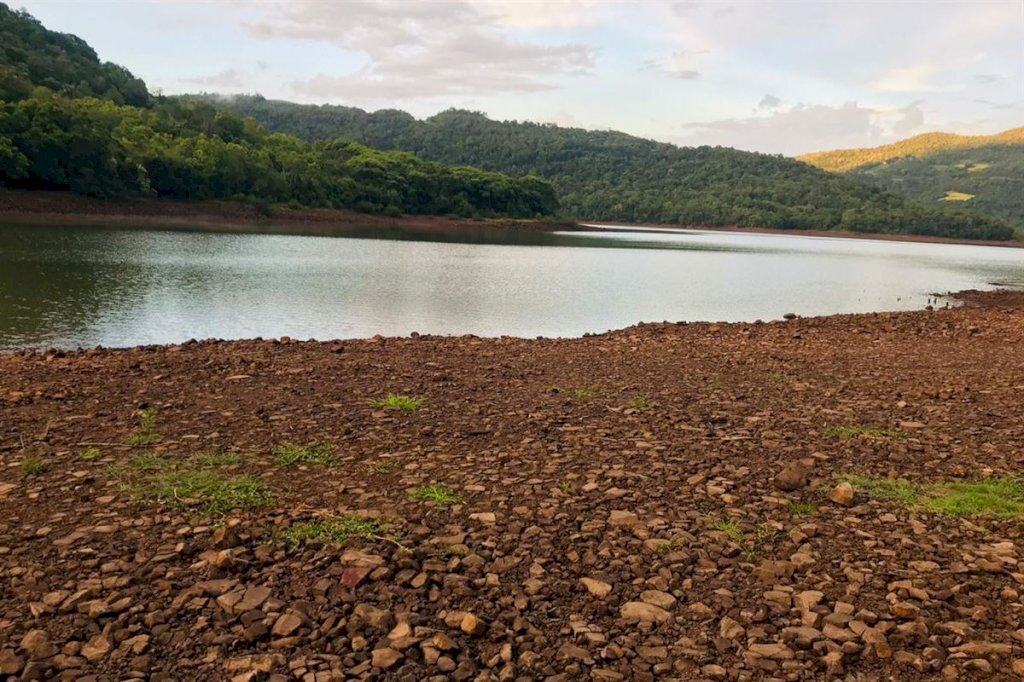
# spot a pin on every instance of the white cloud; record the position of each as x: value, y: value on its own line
x: 423, y: 50
x: 808, y: 127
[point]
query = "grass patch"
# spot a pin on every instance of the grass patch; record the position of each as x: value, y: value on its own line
x: 393, y: 401
x: 850, y: 432
x: 214, y: 460
x: 204, y: 489
x: 1001, y: 496
x: 803, y: 508
x: 335, y: 531
x: 147, y: 461
x: 145, y: 433
x: 564, y: 487
x: 289, y: 454
x: 32, y: 465
x: 638, y: 403
x: 90, y: 455
x: 581, y: 393
x: 751, y: 544
x: 438, y: 494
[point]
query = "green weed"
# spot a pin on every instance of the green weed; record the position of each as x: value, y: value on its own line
x: 289, y: 454
x: 145, y: 433
x: 438, y: 494
x: 336, y: 531
x: 849, y: 432
x: 32, y: 465
x: 638, y: 403
x: 90, y: 455
x: 803, y: 508
x: 397, y: 402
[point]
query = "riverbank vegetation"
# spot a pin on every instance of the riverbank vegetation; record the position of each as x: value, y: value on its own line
x: 71, y: 123
x: 611, y: 176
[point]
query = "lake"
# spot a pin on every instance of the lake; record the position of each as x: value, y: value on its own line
x: 70, y: 287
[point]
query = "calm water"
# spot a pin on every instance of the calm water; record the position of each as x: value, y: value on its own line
x: 71, y: 287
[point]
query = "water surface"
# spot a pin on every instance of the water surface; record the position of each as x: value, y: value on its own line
x: 68, y: 287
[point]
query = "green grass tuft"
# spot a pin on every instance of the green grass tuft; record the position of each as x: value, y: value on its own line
x: 848, y: 432
x: 638, y: 403
x: 32, y: 465
x: 145, y: 433
x: 730, y: 528
x: 397, y: 402
x: 438, y: 494
x: 335, y: 531
x: 213, y: 460
x: 90, y: 455
x: 289, y: 454
x: 803, y: 508
x: 204, y: 489
x: 891, y: 489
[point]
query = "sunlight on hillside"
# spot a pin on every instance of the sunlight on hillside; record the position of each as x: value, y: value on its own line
x: 957, y: 196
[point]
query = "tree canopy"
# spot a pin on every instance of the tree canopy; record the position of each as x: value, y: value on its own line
x: 603, y: 175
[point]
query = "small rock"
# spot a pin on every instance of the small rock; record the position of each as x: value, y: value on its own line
x: 36, y: 643
x: 385, y: 658
x: 96, y: 648
x: 792, y: 477
x: 842, y: 494
x: 287, y: 624
x: 641, y: 612
x: 471, y: 625
x: 596, y: 587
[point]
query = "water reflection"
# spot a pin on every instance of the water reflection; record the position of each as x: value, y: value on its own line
x: 85, y: 286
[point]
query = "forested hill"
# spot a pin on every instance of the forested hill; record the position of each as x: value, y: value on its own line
x: 919, y: 146
x: 31, y: 55
x: 983, y: 174
x: 71, y: 123
x: 613, y: 176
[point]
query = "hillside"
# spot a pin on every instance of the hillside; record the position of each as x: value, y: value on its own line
x: 71, y: 123
x: 919, y: 146
x: 601, y: 175
x: 31, y: 55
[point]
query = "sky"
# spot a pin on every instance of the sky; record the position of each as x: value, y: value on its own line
x: 774, y: 76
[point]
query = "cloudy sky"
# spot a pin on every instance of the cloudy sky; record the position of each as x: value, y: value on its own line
x: 767, y: 75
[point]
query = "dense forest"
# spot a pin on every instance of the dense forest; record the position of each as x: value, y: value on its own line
x: 69, y: 122
x: 613, y: 176
x: 983, y: 174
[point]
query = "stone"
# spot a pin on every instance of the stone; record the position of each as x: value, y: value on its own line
x: 730, y: 629
x: 484, y: 517
x: 793, y: 476
x: 641, y: 612
x: 252, y: 599
x: 596, y: 587
x: 10, y: 662
x: 286, y: 624
x: 658, y: 598
x: 618, y: 519
x: 385, y: 658
x: 96, y: 648
x: 36, y: 643
x: 842, y: 494
x: 773, y: 650
x: 471, y: 625
x: 983, y: 649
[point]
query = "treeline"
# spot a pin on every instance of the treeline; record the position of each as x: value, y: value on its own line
x: 69, y: 122
x: 601, y: 175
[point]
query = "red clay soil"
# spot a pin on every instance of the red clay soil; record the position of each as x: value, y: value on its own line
x: 25, y: 207
x: 917, y: 238
x: 653, y: 503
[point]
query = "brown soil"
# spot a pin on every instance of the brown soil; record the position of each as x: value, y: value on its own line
x: 544, y: 435
x: 227, y: 216
x: 921, y: 239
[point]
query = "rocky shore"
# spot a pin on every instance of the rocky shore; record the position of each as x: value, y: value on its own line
x: 679, y: 502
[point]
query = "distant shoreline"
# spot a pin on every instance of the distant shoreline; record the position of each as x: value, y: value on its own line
x: 877, y: 236
x: 48, y: 208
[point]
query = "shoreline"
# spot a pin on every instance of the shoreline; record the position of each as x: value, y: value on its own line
x: 48, y: 208
x: 658, y: 502
x: 873, y: 236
